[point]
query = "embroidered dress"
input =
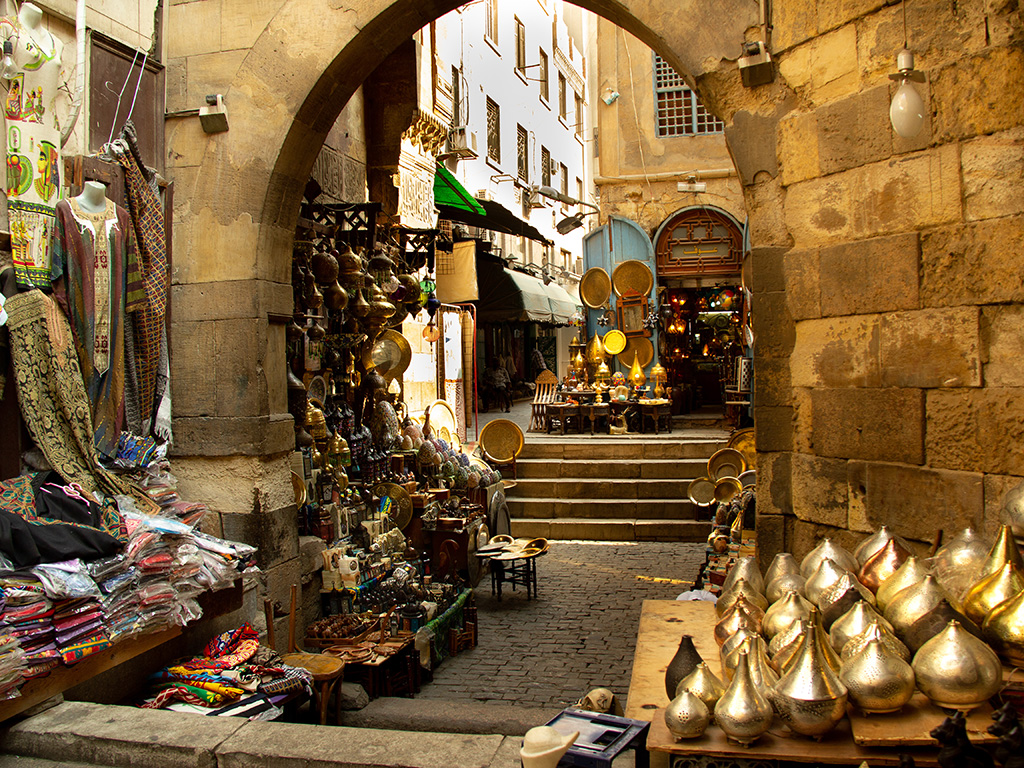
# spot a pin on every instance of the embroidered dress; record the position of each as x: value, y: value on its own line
x: 97, y: 281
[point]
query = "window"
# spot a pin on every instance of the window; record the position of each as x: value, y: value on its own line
x: 545, y: 167
x: 520, y: 47
x: 491, y: 20
x: 679, y: 113
x: 579, y: 114
x: 457, y: 111
x: 522, y: 142
x: 561, y: 95
x: 543, y: 76
x: 579, y: 188
x: 566, y: 257
x: 493, y: 131
x: 563, y: 172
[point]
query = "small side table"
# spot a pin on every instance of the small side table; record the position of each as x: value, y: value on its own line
x: 602, y: 738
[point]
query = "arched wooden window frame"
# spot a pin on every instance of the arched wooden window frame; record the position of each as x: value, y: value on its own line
x: 699, y: 241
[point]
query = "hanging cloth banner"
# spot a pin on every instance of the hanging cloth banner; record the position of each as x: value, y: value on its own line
x: 456, y: 274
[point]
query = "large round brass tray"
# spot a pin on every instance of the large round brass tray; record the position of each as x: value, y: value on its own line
x: 442, y: 415
x: 643, y: 348
x: 701, y: 492
x: 390, y: 354
x: 614, y: 341
x: 401, y: 503
x: 742, y: 440
x: 501, y: 439
x: 595, y: 288
x: 632, y: 277
x: 727, y: 462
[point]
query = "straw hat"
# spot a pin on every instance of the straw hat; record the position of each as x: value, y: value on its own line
x: 543, y: 746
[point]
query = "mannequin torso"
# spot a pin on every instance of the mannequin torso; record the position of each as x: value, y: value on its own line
x: 93, y: 198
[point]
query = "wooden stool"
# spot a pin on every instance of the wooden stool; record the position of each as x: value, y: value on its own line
x: 326, y: 670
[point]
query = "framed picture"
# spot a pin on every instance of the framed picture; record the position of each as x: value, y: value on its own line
x: 632, y: 310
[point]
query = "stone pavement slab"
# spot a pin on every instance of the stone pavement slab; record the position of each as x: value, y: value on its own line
x: 450, y: 716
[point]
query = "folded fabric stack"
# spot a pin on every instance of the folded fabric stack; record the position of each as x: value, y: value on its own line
x: 162, y: 487
x: 223, y: 561
x: 118, y: 581
x: 80, y: 624
x: 28, y: 615
x: 152, y: 558
x: 12, y: 658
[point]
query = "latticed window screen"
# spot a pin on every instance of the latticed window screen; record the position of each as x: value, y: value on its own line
x: 545, y: 166
x: 679, y: 112
x: 521, y: 153
x: 493, y: 131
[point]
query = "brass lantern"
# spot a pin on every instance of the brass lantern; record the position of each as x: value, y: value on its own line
x: 660, y: 377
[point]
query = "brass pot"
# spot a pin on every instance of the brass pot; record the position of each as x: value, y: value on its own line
x: 781, y: 564
x: 783, y: 613
x: 783, y: 583
x: 908, y: 574
x: 735, y: 619
x: 825, y: 575
x: 883, y: 564
x: 810, y: 698
x: 687, y: 716
x: 853, y: 623
x: 730, y: 646
x: 992, y: 590
x: 828, y: 549
x: 704, y: 684
x: 956, y: 670
x: 893, y: 643
x: 878, y: 681
x: 789, y: 645
x: 913, y: 603
x: 1004, y: 628
x: 761, y: 671
x: 841, y: 597
x: 957, y: 565
x: 740, y: 588
x: 785, y: 638
x: 867, y: 548
x: 1004, y: 551
x: 743, y: 712
x: 745, y: 568
x: 933, y: 622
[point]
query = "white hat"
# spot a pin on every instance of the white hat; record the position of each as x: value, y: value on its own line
x: 543, y: 746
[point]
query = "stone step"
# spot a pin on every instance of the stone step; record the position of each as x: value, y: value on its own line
x: 589, y: 490
x: 592, y: 448
x: 601, y: 509
x: 622, y: 529
x: 611, y: 469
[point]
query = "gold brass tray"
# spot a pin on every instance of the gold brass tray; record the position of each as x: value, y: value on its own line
x: 701, y: 491
x: 632, y: 277
x: 643, y: 348
x: 726, y: 488
x: 595, y: 288
x: 501, y: 439
x: 391, y: 354
x: 727, y: 462
x: 743, y: 441
x: 614, y: 342
x: 442, y: 415
x: 401, y: 503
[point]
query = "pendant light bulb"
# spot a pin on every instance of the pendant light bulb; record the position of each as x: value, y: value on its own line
x: 906, y: 112
x: 8, y: 69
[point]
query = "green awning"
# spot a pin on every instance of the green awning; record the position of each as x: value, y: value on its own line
x: 448, y: 191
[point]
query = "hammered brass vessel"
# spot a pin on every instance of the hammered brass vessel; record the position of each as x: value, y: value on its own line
x: 913, y: 603
x: 784, y: 612
x: 704, y: 684
x: 994, y: 589
x: 1004, y: 551
x: 810, y: 698
x: 878, y: 681
x: 743, y: 712
x: 889, y: 640
x: 825, y: 575
x: 744, y: 568
x: 956, y: 670
x: 782, y: 584
x: 686, y: 716
x: 735, y: 619
x: 908, y: 574
x: 883, y: 564
x: 867, y: 548
x: 841, y: 597
x: 958, y: 564
x: 828, y: 549
x: 1004, y: 628
x: 853, y: 623
x: 781, y: 564
x: 740, y: 588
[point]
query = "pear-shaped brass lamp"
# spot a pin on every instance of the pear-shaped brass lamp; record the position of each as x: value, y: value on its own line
x: 821, y: 636
x: 908, y: 574
x: 841, y: 597
x: 992, y: 590
x: 893, y: 643
x: 732, y: 644
x: 1004, y: 551
x: 744, y: 568
x: 810, y: 698
x: 853, y: 623
x: 783, y: 583
x: 913, y: 603
x: 933, y: 622
x: 595, y: 350
x: 740, y: 587
x: 956, y: 670
x: 831, y: 550
x: 636, y: 372
x: 782, y: 563
x: 704, y: 684
x: 883, y: 564
x: 735, y: 619
x: 743, y: 712
x: 878, y: 681
x: 785, y: 638
x: 687, y: 716
x: 1004, y: 628
x: 957, y: 565
x: 784, y: 612
x: 867, y: 548
x: 761, y: 671
x: 825, y: 575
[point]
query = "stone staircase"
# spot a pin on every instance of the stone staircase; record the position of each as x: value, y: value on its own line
x: 610, y: 489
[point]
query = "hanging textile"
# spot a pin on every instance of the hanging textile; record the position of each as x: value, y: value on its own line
x: 52, y: 396
x: 97, y: 283
x: 147, y: 218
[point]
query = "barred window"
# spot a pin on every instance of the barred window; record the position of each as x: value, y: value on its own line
x: 679, y: 112
x: 521, y: 151
x: 545, y: 167
x: 493, y: 131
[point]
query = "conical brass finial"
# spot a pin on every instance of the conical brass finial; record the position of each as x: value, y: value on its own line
x: 994, y: 589
x: 1003, y: 551
x: 636, y: 372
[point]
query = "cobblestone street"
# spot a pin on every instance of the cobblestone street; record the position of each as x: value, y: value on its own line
x: 580, y: 632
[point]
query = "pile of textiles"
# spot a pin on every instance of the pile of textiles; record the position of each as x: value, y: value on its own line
x: 28, y: 615
x: 78, y: 619
x: 162, y: 487
x: 118, y: 581
x: 12, y: 658
x: 234, y: 676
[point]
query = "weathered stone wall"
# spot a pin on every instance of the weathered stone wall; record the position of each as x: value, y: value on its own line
x: 887, y: 272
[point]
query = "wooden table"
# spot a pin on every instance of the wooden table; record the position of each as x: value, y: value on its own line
x: 662, y: 623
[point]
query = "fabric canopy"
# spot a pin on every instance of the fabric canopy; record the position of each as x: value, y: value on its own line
x: 449, y: 192
x: 509, y: 296
x: 495, y: 217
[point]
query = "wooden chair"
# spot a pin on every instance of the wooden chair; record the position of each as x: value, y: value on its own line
x: 327, y: 671
x: 544, y: 395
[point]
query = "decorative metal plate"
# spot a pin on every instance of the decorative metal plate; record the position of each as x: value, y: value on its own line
x: 701, y: 492
x: 401, y: 503
x: 501, y: 439
x: 632, y: 277
x: 727, y: 462
x: 595, y: 288
x: 643, y: 348
x: 391, y: 354
x: 614, y: 342
x: 743, y: 441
